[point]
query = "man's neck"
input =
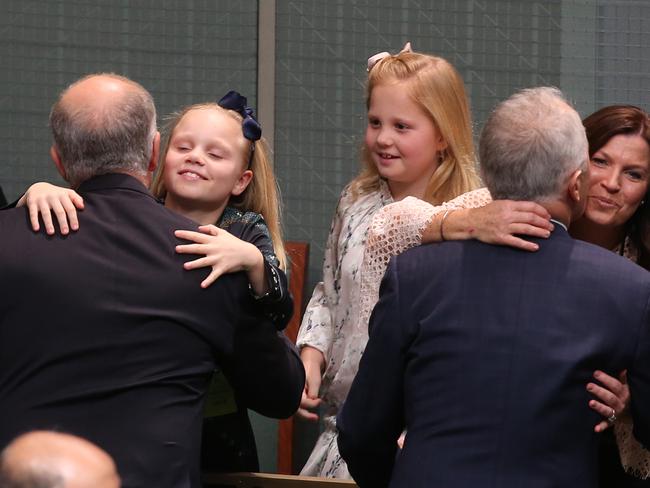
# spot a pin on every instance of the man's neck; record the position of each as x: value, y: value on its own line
x: 559, y: 211
x: 144, y: 179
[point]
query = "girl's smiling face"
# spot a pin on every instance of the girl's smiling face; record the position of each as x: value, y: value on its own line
x: 402, y: 140
x: 206, y: 160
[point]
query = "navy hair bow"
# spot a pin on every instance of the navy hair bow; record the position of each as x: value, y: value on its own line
x: 234, y: 101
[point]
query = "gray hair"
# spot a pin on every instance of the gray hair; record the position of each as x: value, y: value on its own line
x: 118, y: 138
x: 530, y: 144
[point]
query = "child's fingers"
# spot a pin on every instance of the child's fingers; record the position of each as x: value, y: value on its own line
x: 209, y: 229
x: 203, y: 262
x: 190, y: 235
x: 46, y: 215
x: 71, y: 211
x: 61, y: 217
x: 33, y: 217
x: 307, y: 415
x: 212, y: 277
x: 190, y: 249
x: 76, y: 199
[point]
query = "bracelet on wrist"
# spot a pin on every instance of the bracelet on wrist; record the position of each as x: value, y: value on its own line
x: 442, y: 223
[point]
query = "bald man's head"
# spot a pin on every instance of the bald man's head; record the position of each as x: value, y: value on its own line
x: 54, y: 460
x: 103, y: 123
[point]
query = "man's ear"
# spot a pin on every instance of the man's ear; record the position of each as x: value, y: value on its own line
x: 242, y: 183
x: 155, y: 152
x: 56, y: 157
x: 577, y: 182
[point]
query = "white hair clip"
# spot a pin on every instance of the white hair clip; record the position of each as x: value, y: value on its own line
x: 373, y: 60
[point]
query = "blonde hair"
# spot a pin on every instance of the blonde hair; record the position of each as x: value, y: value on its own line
x: 260, y: 196
x: 435, y: 86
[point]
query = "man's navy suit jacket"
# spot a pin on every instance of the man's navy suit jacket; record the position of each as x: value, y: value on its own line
x: 103, y: 334
x: 483, y: 353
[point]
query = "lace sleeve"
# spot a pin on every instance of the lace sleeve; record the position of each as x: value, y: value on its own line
x: 396, y: 228
x: 635, y: 459
x: 471, y: 199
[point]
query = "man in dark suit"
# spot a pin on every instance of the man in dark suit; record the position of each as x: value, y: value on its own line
x: 3, y: 200
x: 482, y: 352
x: 103, y: 334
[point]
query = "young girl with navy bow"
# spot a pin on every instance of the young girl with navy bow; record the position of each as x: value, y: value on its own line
x: 214, y: 169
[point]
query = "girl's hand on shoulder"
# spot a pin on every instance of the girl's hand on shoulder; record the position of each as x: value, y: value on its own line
x: 612, y: 397
x: 45, y: 199
x: 222, y: 251
x: 500, y: 222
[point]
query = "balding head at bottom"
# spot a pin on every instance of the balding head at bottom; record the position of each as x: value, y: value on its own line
x: 43, y: 459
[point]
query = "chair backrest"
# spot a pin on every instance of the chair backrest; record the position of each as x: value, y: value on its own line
x: 298, y: 253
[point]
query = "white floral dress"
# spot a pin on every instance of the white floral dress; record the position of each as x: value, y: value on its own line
x: 398, y: 227
x: 331, y: 315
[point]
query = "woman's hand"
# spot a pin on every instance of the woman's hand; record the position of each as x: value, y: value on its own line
x: 314, y: 363
x: 498, y: 222
x: 45, y: 199
x: 225, y: 253
x: 611, y: 394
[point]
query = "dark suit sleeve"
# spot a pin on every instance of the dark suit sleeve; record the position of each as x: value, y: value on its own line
x: 263, y: 367
x: 639, y: 379
x: 372, y: 417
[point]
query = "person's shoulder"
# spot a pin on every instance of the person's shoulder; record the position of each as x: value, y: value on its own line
x: 246, y: 218
x: 609, y: 262
x: 13, y: 218
x: 353, y: 200
x: 421, y: 259
x: 170, y: 219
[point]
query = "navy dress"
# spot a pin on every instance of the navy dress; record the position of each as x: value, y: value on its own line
x: 228, y: 442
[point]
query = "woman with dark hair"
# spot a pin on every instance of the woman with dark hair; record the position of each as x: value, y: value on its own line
x: 617, y: 217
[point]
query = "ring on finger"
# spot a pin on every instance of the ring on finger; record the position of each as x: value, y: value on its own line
x: 612, y: 418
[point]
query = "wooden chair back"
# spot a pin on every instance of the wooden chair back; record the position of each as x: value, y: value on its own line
x: 298, y: 254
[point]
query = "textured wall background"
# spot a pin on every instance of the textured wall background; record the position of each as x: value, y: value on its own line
x: 182, y: 51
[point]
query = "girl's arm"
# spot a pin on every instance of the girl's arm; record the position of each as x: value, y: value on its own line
x: 225, y: 253
x: 245, y: 246
x: 43, y: 199
x: 493, y: 222
x: 317, y: 329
